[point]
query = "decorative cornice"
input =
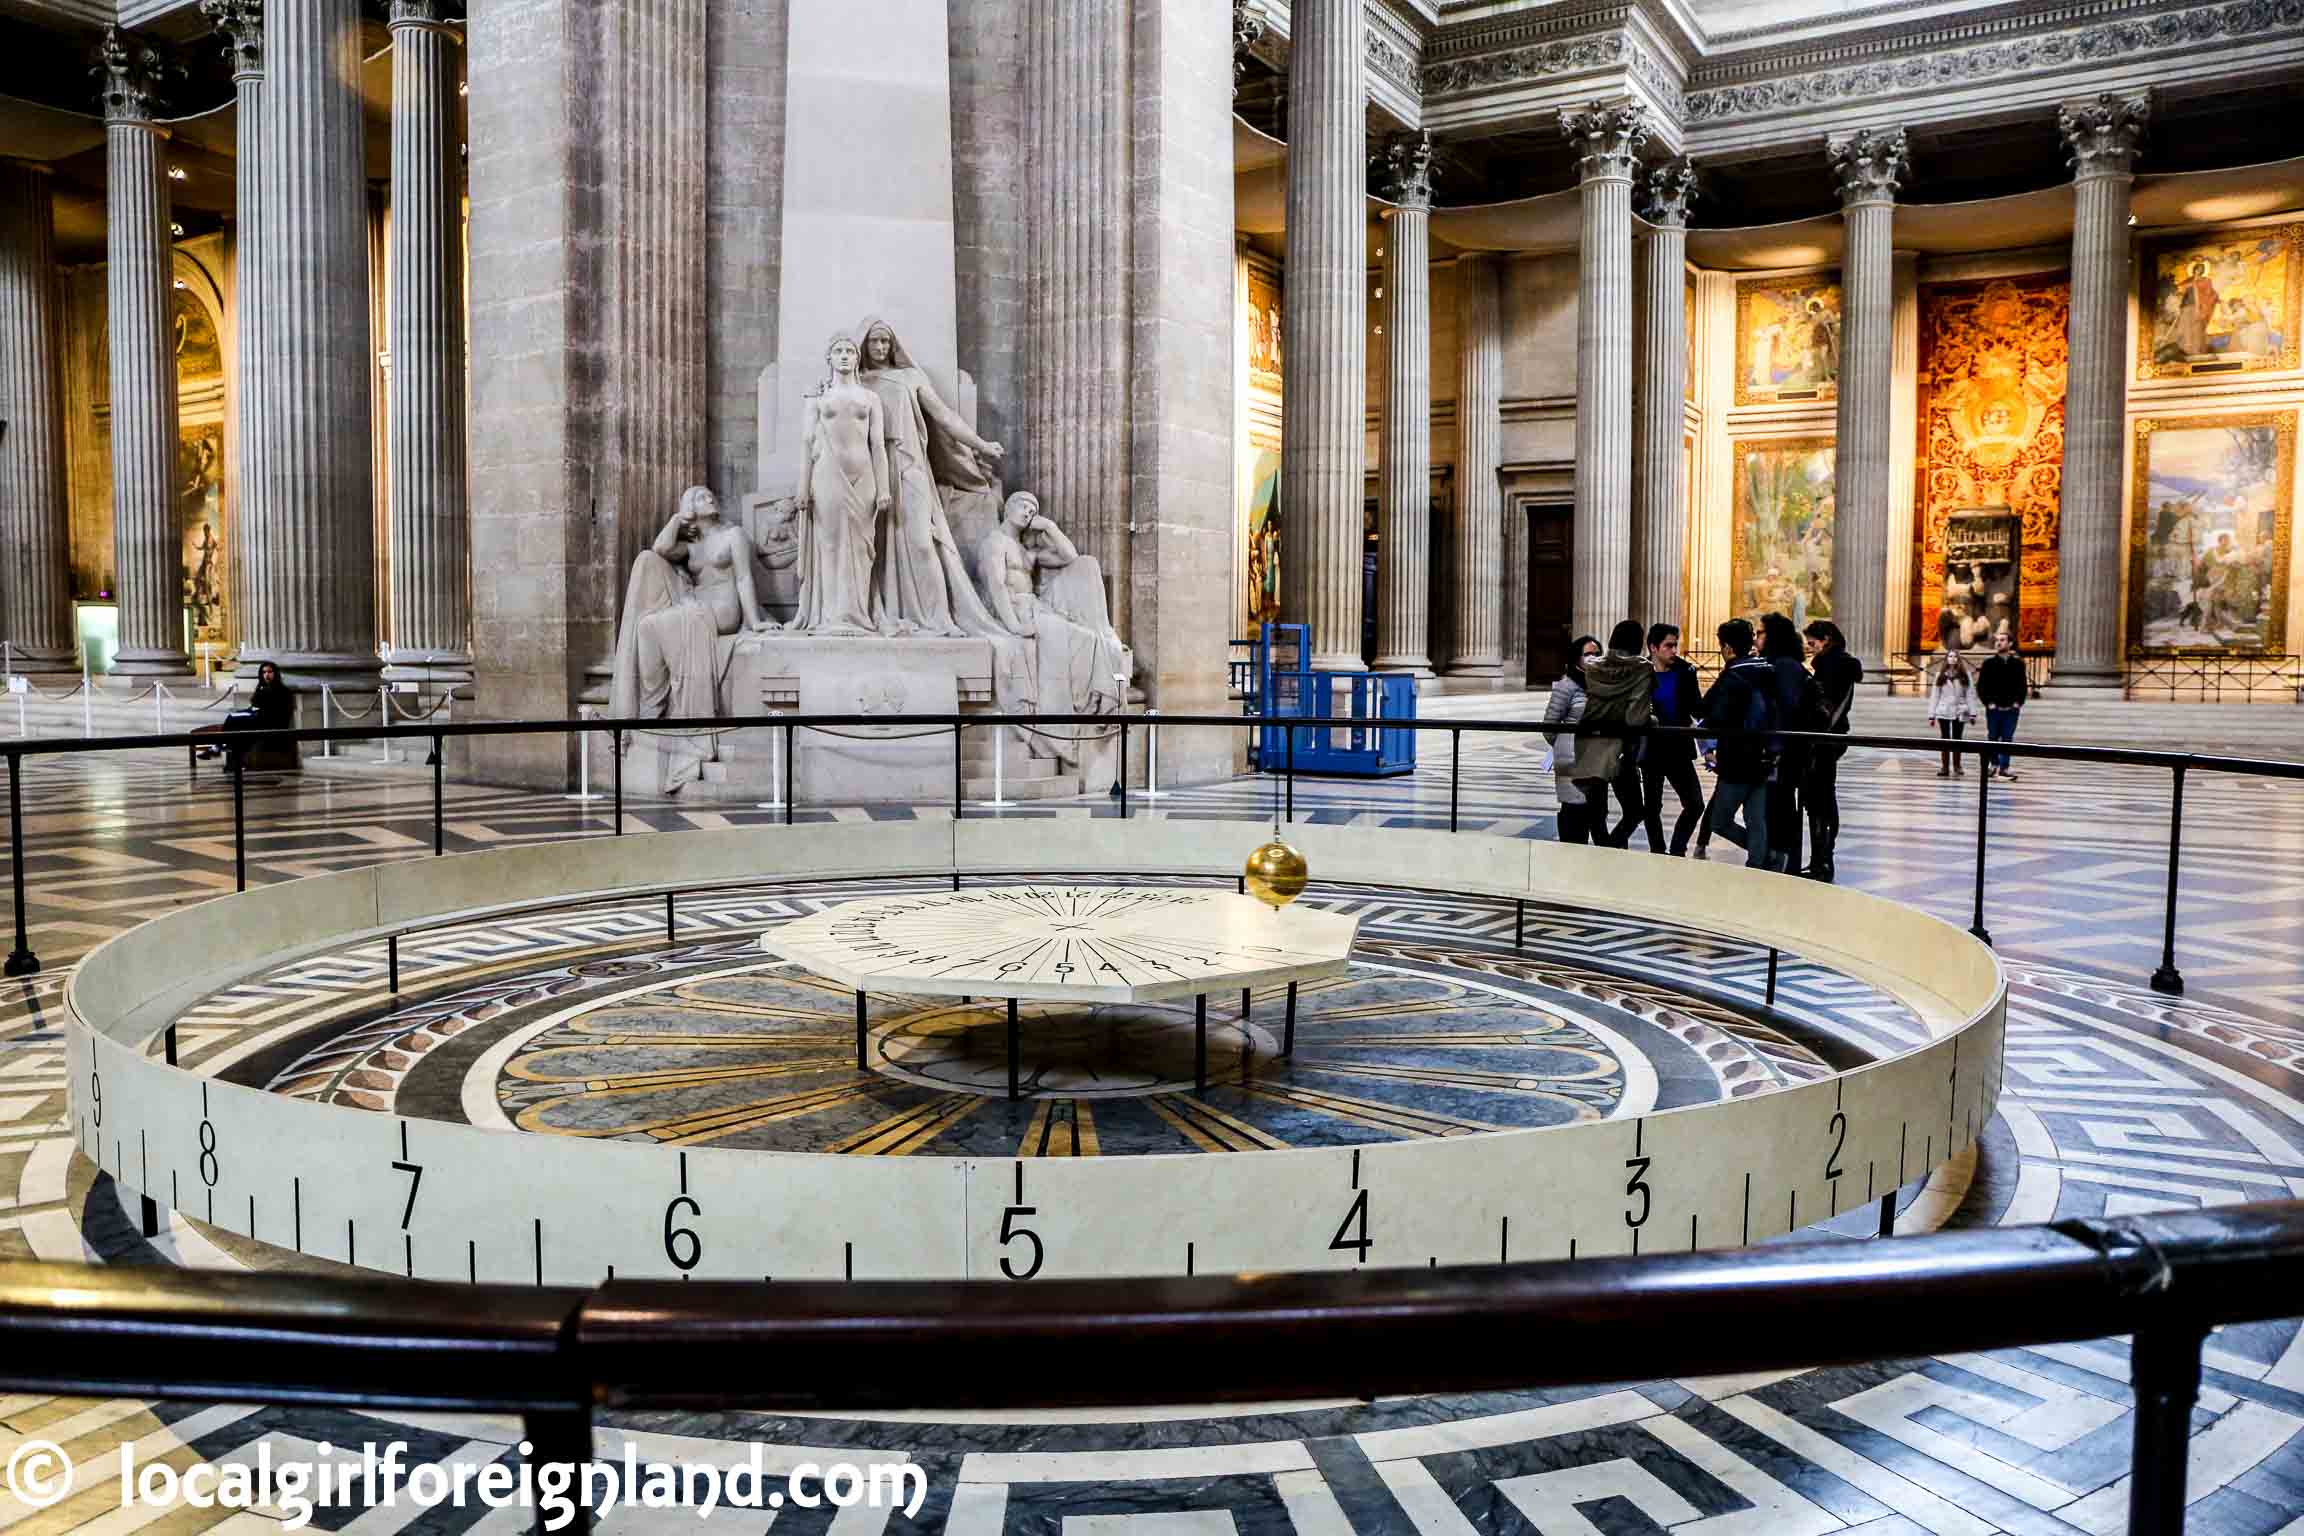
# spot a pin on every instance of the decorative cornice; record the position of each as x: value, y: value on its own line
x: 1248, y: 30
x: 1388, y: 58
x: 1913, y: 69
x: 240, y: 23
x: 1607, y: 137
x: 131, y: 72
x: 2103, y: 135
x: 1405, y: 168
x: 1561, y: 56
x: 1869, y: 165
x: 1671, y: 188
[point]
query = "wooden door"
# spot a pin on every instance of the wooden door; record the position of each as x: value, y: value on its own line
x: 1551, y: 589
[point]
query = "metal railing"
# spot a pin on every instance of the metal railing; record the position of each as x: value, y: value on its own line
x: 2215, y: 678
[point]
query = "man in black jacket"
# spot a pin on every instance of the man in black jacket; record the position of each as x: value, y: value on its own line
x: 1742, y: 700
x: 1837, y: 674
x: 1677, y: 694
x: 2000, y: 687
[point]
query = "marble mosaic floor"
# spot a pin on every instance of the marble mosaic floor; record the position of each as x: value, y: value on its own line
x: 2120, y: 1100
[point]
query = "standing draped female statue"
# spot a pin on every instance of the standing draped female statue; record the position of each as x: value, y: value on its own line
x: 844, y: 489
x: 924, y: 586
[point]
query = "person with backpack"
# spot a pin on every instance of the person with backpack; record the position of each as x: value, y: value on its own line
x: 1742, y: 701
x: 1618, y: 693
x: 1676, y: 694
x: 1837, y: 674
x: 1799, y: 707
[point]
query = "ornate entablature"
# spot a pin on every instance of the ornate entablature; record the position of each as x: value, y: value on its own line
x: 1530, y: 65
x: 1950, y: 72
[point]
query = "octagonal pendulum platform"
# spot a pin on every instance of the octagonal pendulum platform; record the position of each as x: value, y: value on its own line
x: 1068, y: 944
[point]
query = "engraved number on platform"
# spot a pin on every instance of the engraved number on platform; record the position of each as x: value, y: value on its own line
x: 1352, y: 1231
x: 1839, y: 1145
x: 1010, y: 1232
x: 415, y: 1172
x: 1638, y: 1185
x: 208, y: 1165
x: 674, y: 1235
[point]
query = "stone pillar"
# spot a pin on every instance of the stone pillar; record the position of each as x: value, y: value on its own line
x: 2103, y: 136
x: 1076, y: 406
x: 240, y: 26
x: 35, y: 526
x: 147, y: 533
x: 310, y: 544
x: 1660, y: 482
x: 1404, y: 518
x: 1323, y: 324
x: 1868, y: 167
x: 431, y: 599
x: 1476, y: 634
x: 1607, y: 138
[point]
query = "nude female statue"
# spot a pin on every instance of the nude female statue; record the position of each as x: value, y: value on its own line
x: 844, y: 490
x: 688, y: 590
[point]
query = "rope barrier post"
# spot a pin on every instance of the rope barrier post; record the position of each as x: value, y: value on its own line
x: 439, y: 796
x: 159, y: 708
x: 384, y: 722
x: 2165, y: 1364
x: 2168, y: 979
x: 240, y: 822
x: 860, y: 1044
x: 775, y: 769
x: 1152, y: 789
x: 957, y: 729
x: 327, y: 699
x: 583, y: 793
x: 1983, y: 817
x: 788, y: 775
x: 999, y: 768
x: 1455, y: 764
x: 21, y: 960
x: 1288, y: 1028
x: 87, y: 699
x: 616, y: 746
x: 1519, y: 925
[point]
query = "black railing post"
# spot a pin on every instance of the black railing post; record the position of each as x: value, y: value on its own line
x: 392, y: 963
x: 2164, y: 1363
x: 1288, y: 771
x: 1888, y: 1214
x: 1455, y: 764
x: 788, y: 775
x: 1120, y: 780
x: 1983, y: 816
x: 956, y: 730
x: 439, y: 796
x: 239, y: 822
x: 616, y: 753
x: 1770, y: 1001
x: 21, y: 960
x: 670, y: 920
x: 2168, y: 979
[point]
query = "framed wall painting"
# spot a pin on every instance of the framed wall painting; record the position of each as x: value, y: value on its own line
x: 1788, y: 339
x: 2220, y: 301
x: 1263, y: 564
x: 2209, y: 531
x: 1263, y: 328
x: 1780, y: 537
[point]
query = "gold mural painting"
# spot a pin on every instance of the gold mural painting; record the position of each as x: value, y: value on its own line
x: 2220, y: 301
x: 1263, y: 329
x: 1780, y: 542
x: 1787, y: 339
x: 1263, y: 595
x: 200, y: 509
x: 2208, y: 543
x: 1991, y: 419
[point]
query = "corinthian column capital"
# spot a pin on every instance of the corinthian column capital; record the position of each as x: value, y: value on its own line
x: 1607, y: 137
x: 1868, y: 165
x: 1405, y: 168
x: 1247, y: 31
x: 240, y: 23
x: 1670, y: 190
x: 131, y: 73
x: 417, y: 13
x: 2104, y: 134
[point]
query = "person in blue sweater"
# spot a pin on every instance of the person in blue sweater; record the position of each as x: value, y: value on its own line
x: 1677, y: 694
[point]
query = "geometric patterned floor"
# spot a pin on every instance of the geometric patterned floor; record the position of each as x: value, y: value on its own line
x: 2118, y: 1100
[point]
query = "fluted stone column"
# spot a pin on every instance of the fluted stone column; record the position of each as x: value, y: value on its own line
x: 311, y: 599
x: 1868, y: 167
x: 1323, y: 325
x: 431, y: 540
x: 1660, y: 481
x: 1076, y: 407
x: 35, y: 527
x: 1404, y: 516
x: 240, y: 26
x: 2103, y: 136
x: 147, y: 533
x: 1476, y: 632
x: 1607, y: 138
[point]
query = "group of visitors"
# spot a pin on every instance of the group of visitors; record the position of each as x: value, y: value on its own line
x: 1955, y: 689
x: 1778, y: 680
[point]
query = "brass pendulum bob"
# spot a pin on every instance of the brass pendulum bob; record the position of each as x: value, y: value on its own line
x: 1276, y: 874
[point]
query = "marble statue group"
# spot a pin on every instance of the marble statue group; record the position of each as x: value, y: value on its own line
x: 896, y: 532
